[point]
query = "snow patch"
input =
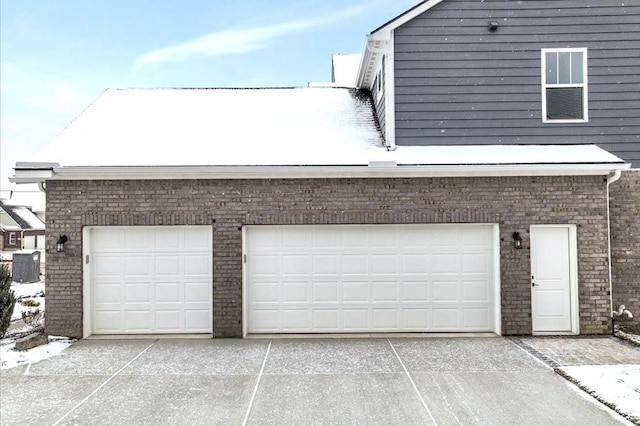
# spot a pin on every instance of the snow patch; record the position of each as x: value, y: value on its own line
x: 10, y: 358
x: 30, y: 291
x: 615, y: 385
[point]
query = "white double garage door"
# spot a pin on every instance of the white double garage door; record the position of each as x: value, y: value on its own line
x: 297, y: 279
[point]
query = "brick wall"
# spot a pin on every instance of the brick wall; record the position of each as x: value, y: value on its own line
x: 514, y: 203
x: 625, y: 241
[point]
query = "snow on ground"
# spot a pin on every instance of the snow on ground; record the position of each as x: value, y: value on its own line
x: 616, y: 385
x: 27, y: 291
x: 10, y: 358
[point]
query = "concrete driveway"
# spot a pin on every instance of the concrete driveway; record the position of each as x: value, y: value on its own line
x: 445, y: 381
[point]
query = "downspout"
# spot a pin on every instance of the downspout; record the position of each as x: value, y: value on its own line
x: 616, y: 175
x: 42, y: 186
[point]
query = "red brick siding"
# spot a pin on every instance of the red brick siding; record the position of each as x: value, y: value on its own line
x: 514, y: 203
x: 625, y: 241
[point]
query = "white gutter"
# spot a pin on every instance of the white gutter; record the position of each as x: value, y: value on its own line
x: 372, y: 170
x: 614, y: 177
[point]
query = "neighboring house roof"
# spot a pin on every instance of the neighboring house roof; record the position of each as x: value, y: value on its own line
x: 344, y: 69
x: 19, y: 218
x: 7, y: 223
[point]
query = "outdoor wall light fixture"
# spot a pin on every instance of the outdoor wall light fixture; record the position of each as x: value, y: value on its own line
x: 517, y: 240
x: 493, y: 26
x: 60, y: 243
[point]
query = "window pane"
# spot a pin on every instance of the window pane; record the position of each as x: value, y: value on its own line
x: 564, y: 65
x: 565, y: 104
x: 551, y: 63
x: 576, y: 68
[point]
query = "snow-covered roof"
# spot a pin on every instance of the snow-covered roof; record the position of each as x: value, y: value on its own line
x: 33, y: 221
x: 155, y: 127
x: 345, y: 69
x: 7, y: 223
x: 18, y: 218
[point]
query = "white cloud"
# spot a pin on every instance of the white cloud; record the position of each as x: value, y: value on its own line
x: 240, y: 40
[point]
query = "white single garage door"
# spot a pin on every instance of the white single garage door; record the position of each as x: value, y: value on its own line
x: 369, y: 278
x: 150, y: 280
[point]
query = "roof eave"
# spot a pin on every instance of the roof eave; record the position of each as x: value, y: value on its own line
x: 374, y: 170
x: 383, y: 33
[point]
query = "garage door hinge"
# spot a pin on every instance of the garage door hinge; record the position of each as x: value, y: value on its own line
x: 244, y: 258
x: 86, y: 259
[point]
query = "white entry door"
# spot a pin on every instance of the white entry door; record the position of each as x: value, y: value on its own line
x: 148, y: 280
x: 553, y: 281
x: 370, y: 278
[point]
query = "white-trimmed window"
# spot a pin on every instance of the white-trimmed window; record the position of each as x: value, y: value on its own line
x: 564, y: 85
x: 12, y: 238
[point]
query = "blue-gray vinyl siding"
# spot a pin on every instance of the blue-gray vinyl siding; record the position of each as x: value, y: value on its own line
x: 457, y: 83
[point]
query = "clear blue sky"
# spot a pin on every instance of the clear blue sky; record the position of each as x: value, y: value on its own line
x: 59, y: 56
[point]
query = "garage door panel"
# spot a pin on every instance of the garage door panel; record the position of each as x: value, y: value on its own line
x: 168, y: 238
x: 198, y: 320
x: 415, y: 291
x: 167, y: 265
x: 355, y: 264
x: 295, y: 292
x: 137, y: 293
x: 294, y: 265
x: 445, y: 319
x: 445, y: 263
x: 444, y: 291
x: 151, y: 280
x: 415, y: 319
x: 264, y: 264
x: 384, y: 264
x: 369, y: 278
x: 138, y: 239
x: 107, y: 238
x: 386, y: 291
x: 476, y: 318
x: 325, y: 264
x: 325, y: 319
x: 325, y: 292
x: 197, y: 292
x: 325, y: 240
x: 168, y: 292
x: 296, y: 237
x: 197, y: 265
x: 386, y: 319
x: 355, y: 291
x: 475, y: 263
x: 475, y: 291
x: 108, y: 292
x: 104, y: 318
x: 415, y: 264
x: 107, y: 266
x: 138, y: 321
x: 138, y: 266
x: 356, y: 319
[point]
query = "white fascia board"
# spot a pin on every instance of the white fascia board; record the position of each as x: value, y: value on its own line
x: 384, y: 31
x: 31, y: 176
x: 315, y: 172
